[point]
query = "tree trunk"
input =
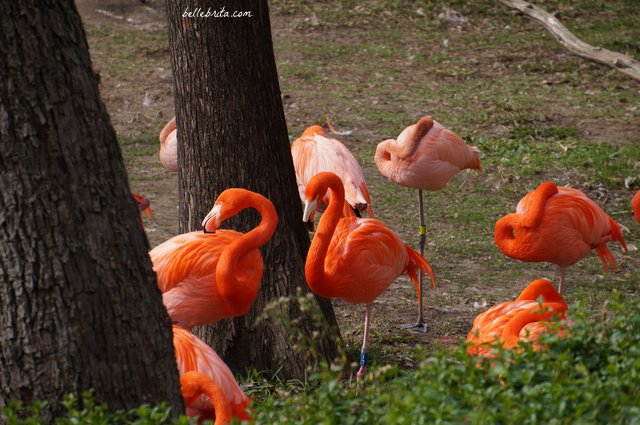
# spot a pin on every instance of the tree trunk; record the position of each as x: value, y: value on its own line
x: 79, y: 304
x: 232, y: 133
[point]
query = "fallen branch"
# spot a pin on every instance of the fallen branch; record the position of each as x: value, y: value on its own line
x: 619, y: 61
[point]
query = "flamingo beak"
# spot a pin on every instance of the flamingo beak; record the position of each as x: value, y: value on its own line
x: 307, y: 216
x: 212, y: 221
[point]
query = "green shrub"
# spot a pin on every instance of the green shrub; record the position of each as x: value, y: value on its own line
x: 591, y: 375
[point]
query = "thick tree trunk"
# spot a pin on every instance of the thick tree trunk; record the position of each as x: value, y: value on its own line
x: 232, y: 133
x: 79, y: 305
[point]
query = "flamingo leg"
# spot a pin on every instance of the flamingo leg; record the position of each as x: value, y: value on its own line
x: 562, y: 270
x: 420, y: 325
x: 364, y: 352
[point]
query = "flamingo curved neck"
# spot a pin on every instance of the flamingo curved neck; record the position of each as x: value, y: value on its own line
x: 538, y: 313
x: 543, y: 288
x: 226, y: 271
x: 504, y: 234
x: 314, y: 266
x: 534, y: 215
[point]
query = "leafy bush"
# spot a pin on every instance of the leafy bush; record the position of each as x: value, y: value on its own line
x: 592, y: 375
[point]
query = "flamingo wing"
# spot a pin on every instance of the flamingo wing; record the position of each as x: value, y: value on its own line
x: 364, y: 257
x: 191, y: 256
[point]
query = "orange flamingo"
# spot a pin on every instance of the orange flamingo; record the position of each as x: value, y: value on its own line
x: 524, y: 319
x: 314, y: 152
x: 425, y: 156
x: 206, y: 276
x: 222, y: 401
x: 557, y: 225
x: 355, y: 259
x: 635, y: 205
x: 169, y: 146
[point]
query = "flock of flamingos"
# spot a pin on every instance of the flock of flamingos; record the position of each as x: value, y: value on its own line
x: 212, y: 274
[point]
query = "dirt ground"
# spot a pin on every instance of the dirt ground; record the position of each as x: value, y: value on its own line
x: 472, y: 276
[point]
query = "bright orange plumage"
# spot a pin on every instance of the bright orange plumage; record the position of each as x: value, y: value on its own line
x: 557, y: 225
x: 635, y: 205
x: 207, y: 276
x: 524, y: 319
x: 169, y: 146
x: 351, y: 258
x: 314, y: 152
x: 193, y: 355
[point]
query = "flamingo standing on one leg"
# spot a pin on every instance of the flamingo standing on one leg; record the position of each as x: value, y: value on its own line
x: 194, y: 356
x: 425, y: 156
x: 524, y: 319
x: 557, y: 225
x: 635, y: 205
x: 206, y: 276
x: 355, y: 259
x: 314, y: 152
x: 169, y: 146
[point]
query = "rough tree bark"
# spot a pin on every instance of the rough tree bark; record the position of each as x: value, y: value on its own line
x: 232, y: 133
x: 79, y: 305
x: 618, y: 61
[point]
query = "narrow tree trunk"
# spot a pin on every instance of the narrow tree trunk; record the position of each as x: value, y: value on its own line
x: 232, y: 133
x: 79, y: 305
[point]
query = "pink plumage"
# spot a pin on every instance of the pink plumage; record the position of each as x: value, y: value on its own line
x: 169, y: 146
x: 425, y: 156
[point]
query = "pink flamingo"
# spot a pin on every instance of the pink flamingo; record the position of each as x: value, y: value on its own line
x: 635, y: 205
x: 557, y: 225
x: 169, y: 146
x: 352, y: 258
x: 314, y: 152
x: 210, y: 275
x: 223, y: 401
x: 425, y: 156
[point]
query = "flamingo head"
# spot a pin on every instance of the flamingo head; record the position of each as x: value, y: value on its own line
x: 229, y: 203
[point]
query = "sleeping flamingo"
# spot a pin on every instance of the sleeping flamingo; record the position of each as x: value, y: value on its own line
x: 206, y: 276
x: 352, y: 258
x: 425, y: 156
x: 194, y: 356
x: 557, y: 225
x: 314, y: 152
x: 524, y: 319
x: 635, y: 205
x: 169, y: 146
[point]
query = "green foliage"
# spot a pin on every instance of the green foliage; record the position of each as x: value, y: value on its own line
x: 590, y: 376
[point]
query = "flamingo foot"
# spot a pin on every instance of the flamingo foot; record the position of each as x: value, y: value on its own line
x: 420, y: 326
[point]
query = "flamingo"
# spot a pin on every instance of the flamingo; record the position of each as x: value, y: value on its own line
x: 524, y: 319
x: 208, y: 386
x: 557, y: 225
x: 352, y: 258
x: 314, y: 152
x: 169, y: 146
x: 206, y: 276
x: 143, y: 206
x: 635, y: 205
x: 425, y: 156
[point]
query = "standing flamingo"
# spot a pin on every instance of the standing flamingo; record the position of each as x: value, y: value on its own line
x: 194, y: 356
x: 635, y: 205
x: 206, y: 276
x: 425, y: 156
x: 314, y: 152
x: 524, y: 319
x: 169, y: 146
x: 355, y: 259
x: 557, y: 225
